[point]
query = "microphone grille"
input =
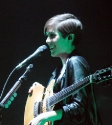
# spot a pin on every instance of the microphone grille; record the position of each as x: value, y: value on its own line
x: 42, y: 48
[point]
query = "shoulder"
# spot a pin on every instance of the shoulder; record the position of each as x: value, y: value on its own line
x: 78, y: 60
x: 77, y: 68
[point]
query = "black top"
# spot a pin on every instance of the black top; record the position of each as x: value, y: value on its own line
x: 79, y: 108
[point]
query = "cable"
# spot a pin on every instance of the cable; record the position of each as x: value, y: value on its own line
x: 6, y: 83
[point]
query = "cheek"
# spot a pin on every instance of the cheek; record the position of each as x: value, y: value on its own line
x: 61, y: 48
x: 63, y: 45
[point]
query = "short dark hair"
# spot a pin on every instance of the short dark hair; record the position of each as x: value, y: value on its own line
x: 66, y: 23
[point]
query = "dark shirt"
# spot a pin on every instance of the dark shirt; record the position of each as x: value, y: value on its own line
x: 80, y: 107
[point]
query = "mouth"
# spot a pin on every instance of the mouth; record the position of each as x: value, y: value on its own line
x: 51, y: 48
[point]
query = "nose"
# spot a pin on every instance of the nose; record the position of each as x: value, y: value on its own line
x: 48, y: 40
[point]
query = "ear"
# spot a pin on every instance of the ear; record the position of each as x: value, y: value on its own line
x: 70, y: 40
x: 71, y: 37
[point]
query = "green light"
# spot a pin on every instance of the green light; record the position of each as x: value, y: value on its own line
x: 15, y: 94
x: 12, y: 98
x: 9, y: 102
x: 6, y: 106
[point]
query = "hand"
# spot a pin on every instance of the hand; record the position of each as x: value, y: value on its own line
x: 37, y: 121
x: 46, y: 117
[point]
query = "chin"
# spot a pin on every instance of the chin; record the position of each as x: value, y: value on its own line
x: 53, y: 55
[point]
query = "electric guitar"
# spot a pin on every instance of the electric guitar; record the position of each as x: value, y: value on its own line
x: 42, y: 99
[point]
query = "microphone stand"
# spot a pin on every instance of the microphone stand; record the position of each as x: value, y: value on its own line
x: 6, y: 101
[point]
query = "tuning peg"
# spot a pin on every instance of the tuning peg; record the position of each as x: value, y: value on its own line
x: 104, y: 77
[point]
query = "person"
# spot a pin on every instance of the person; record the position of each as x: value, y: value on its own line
x: 64, y: 33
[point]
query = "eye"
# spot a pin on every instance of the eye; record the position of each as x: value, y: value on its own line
x: 52, y: 35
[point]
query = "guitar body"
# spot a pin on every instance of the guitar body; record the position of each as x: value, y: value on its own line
x: 36, y: 101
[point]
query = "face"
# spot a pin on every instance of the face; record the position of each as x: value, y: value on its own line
x: 58, y: 45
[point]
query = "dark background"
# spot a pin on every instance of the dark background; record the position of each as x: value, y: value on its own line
x: 21, y: 33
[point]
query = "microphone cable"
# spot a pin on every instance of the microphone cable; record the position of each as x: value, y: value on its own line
x: 6, y: 83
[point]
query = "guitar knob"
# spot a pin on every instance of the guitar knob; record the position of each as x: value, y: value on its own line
x: 30, y: 91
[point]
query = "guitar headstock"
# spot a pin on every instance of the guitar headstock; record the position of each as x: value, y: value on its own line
x: 103, y: 75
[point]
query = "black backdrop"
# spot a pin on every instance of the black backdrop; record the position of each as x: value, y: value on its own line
x: 21, y: 33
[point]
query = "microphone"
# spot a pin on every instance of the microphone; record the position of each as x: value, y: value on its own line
x: 37, y: 53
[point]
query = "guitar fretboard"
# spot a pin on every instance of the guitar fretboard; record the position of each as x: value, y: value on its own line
x: 68, y: 91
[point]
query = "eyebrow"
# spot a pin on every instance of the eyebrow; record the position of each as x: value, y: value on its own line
x: 49, y: 32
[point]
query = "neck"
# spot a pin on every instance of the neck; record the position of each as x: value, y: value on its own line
x: 64, y: 58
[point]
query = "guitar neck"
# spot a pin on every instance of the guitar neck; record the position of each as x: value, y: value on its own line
x: 68, y: 91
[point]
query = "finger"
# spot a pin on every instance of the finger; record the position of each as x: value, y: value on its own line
x: 30, y: 123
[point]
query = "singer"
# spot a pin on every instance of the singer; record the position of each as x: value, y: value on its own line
x: 63, y: 33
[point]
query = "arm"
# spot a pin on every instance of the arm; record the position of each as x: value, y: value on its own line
x: 47, y: 116
x: 75, y: 111
x: 52, y: 115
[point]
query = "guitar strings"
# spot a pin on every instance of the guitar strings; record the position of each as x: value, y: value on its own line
x: 68, y: 91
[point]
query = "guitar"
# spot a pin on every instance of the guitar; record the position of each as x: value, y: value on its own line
x: 42, y: 99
